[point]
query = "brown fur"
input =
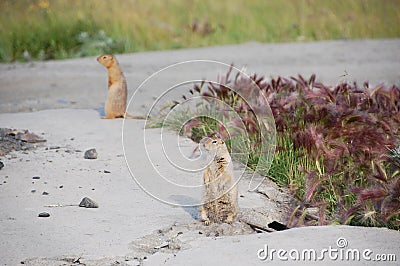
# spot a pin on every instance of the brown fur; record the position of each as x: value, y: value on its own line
x: 115, y: 106
x: 220, y: 198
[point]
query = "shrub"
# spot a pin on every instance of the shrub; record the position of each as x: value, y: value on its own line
x: 336, y: 145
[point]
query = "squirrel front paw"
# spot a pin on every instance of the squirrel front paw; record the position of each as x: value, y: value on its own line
x: 230, y: 219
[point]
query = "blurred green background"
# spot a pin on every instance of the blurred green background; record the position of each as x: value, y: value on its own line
x: 46, y: 29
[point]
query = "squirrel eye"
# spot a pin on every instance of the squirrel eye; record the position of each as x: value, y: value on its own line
x: 104, y: 57
x: 214, y: 141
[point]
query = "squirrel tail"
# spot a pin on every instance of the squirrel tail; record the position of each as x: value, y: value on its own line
x: 128, y: 116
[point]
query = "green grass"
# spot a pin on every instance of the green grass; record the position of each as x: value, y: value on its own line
x: 61, y: 29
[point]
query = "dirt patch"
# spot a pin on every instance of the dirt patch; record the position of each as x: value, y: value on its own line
x: 172, y: 239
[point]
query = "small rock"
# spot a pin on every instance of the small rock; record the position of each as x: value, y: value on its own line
x: 28, y: 137
x: 91, y: 154
x: 106, y: 172
x: 44, y: 214
x: 33, y: 190
x: 61, y: 186
x: 45, y: 193
x: 88, y: 203
x: 36, y: 177
x: 1, y: 165
x: 313, y: 211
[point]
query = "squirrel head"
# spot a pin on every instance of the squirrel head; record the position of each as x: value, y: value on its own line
x: 106, y: 60
x: 214, y: 145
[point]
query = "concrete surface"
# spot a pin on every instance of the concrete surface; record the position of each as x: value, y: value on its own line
x: 31, y: 97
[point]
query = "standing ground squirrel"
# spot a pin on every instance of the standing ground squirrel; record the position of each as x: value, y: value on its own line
x: 117, y: 92
x: 220, y: 192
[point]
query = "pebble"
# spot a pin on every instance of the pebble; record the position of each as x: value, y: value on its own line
x: 90, y: 154
x: 313, y: 211
x: 88, y: 203
x: 44, y: 214
x: 36, y: 177
x: 45, y: 193
x: 106, y: 172
x: 1, y: 165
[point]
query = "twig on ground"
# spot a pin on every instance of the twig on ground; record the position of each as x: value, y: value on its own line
x: 60, y: 205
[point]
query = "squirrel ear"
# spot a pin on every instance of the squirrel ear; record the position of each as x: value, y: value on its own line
x: 222, y: 141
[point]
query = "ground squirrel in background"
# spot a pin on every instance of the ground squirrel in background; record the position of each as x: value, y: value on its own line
x: 117, y: 91
x: 220, y: 193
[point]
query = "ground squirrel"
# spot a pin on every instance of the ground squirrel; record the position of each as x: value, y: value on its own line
x: 117, y: 92
x: 220, y: 192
